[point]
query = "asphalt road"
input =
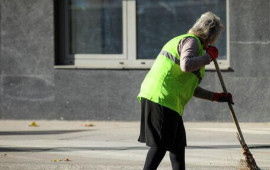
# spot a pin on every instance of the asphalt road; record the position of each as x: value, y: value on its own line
x: 76, y: 145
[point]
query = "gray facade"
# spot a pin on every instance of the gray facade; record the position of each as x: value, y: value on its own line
x: 31, y: 88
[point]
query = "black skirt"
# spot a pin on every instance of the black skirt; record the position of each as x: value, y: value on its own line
x: 161, y: 127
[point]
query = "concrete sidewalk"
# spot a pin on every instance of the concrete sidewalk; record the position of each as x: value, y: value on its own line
x: 114, y: 146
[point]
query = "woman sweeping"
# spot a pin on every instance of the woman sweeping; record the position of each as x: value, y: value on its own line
x: 173, y: 79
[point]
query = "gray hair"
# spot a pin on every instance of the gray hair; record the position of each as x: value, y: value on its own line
x: 207, y: 27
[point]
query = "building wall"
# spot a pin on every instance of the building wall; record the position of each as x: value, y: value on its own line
x: 27, y: 50
x: 31, y: 88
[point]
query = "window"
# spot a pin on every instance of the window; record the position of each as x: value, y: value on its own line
x: 128, y: 33
x: 96, y: 27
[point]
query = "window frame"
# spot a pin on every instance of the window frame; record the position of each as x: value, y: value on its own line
x: 127, y: 60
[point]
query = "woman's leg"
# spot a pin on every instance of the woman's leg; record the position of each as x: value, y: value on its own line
x: 178, y: 159
x: 153, y: 158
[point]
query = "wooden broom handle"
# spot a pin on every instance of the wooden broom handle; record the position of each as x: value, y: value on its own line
x: 230, y: 105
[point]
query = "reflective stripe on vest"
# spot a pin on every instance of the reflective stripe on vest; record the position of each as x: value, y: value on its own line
x: 177, y: 61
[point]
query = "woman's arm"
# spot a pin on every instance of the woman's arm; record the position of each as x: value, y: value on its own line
x: 203, y: 94
x: 188, y: 50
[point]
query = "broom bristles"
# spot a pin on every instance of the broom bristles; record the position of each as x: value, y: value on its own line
x: 250, y: 161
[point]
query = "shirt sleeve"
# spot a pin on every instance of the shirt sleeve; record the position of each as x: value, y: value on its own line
x: 189, y: 60
x: 203, y: 94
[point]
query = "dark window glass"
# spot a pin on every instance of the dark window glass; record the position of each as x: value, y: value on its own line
x: 96, y: 27
x: 160, y: 20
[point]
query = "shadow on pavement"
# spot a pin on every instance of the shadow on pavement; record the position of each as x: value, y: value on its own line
x: 46, y: 132
x: 68, y: 149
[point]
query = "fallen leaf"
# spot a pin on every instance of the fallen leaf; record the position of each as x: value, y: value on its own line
x: 59, y: 160
x: 88, y: 124
x: 56, y: 160
x: 66, y: 160
x: 33, y: 124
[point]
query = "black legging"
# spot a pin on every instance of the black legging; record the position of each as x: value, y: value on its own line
x: 155, y: 155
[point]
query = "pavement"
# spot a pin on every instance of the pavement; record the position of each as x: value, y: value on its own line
x: 111, y: 145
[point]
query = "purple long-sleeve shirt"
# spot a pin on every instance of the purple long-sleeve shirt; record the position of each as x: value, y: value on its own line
x: 190, y: 61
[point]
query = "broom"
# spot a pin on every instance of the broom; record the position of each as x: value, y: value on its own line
x: 250, y: 161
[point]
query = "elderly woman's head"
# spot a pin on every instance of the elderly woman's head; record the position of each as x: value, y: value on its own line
x: 208, y: 28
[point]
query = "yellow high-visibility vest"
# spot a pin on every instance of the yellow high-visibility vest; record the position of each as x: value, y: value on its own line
x: 165, y: 83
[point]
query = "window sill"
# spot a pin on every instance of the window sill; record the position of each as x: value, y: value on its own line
x: 136, y: 65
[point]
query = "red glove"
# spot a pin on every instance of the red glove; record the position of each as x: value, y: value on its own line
x: 223, y: 97
x: 213, y: 52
